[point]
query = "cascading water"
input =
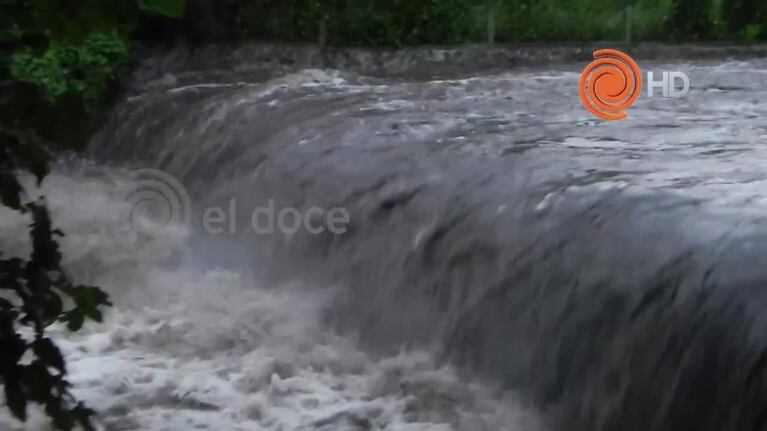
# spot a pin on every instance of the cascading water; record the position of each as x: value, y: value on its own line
x: 610, y: 273
x: 193, y: 346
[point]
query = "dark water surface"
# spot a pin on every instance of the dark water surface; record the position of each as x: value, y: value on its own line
x: 612, y: 272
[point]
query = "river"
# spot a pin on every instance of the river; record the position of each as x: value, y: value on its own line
x: 507, y: 262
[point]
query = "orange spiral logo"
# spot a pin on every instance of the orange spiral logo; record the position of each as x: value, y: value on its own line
x: 610, y: 84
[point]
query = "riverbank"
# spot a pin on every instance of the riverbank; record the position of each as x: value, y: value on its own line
x: 417, y: 62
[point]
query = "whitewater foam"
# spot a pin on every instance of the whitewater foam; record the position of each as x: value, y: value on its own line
x: 192, y: 348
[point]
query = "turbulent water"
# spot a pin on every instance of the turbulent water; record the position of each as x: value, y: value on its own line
x: 508, y: 262
x: 190, y: 347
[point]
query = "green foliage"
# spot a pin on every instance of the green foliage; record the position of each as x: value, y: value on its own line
x: 349, y: 23
x: 57, y: 58
x: 567, y: 20
x: 529, y: 20
x: 412, y: 22
x: 651, y: 19
x: 691, y: 19
x: 401, y: 22
x: 167, y: 8
x: 36, y: 294
x: 85, y: 69
x: 745, y: 18
x: 304, y: 19
x: 752, y: 32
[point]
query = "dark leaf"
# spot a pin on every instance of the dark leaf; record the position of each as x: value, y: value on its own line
x: 75, y: 320
x: 38, y: 168
x: 37, y: 381
x: 96, y: 315
x: 88, y: 300
x: 13, y: 348
x: 11, y: 274
x: 10, y: 191
x: 83, y: 415
x: 25, y: 150
x: 49, y: 353
x: 52, y: 306
x: 16, y: 400
x: 45, y: 254
x: 63, y: 420
x: 6, y: 305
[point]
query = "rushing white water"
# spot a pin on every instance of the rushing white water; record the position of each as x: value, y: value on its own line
x: 197, y: 348
x: 554, y: 253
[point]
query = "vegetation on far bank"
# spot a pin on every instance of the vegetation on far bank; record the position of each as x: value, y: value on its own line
x: 413, y: 22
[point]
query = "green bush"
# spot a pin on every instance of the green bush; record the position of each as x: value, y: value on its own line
x: 746, y: 19
x: 650, y: 20
x: 411, y: 22
x: 559, y: 20
x: 85, y: 69
x: 691, y: 19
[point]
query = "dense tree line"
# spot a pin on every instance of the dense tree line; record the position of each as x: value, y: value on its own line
x: 408, y: 22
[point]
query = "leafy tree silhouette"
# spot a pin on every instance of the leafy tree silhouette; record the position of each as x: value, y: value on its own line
x: 56, y: 68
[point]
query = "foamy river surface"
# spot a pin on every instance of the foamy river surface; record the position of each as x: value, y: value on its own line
x: 196, y: 343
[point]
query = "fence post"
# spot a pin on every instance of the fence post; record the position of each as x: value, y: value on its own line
x: 490, y: 6
x: 322, y: 36
x: 628, y: 21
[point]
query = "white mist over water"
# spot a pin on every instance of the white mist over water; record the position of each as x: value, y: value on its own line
x: 190, y: 348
